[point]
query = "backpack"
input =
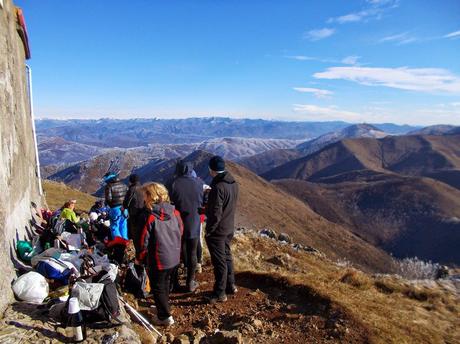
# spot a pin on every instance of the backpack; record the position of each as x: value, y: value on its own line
x: 136, y: 281
x: 109, y: 308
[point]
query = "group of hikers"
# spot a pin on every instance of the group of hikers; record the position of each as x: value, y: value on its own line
x: 165, y: 224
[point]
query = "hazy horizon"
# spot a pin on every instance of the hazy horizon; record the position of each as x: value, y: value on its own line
x: 375, y: 61
x: 65, y: 118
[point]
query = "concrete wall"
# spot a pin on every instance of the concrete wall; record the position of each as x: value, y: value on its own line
x: 18, y: 178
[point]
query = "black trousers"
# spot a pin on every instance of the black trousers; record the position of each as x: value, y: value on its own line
x: 159, y: 282
x: 189, y: 249
x: 133, y: 232
x: 199, y: 250
x: 222, y: 261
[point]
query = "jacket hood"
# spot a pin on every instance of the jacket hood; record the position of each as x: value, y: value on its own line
x: 184, y: 168
x: 163, y: 211
x: 224, y: 177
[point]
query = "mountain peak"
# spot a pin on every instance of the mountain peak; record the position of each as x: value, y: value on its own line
x: 361, y: 129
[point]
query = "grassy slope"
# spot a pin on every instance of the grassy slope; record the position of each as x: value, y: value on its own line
x: 263, y: 205
x: 393, y: 310
x: 58, y: 193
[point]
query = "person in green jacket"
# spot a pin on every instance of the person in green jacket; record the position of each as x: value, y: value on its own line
x: 68, y: 212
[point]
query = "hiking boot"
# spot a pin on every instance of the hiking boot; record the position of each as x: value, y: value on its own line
x: 213, y: 299
x: 199, y: 268
x: 192, y: 286
x: 232, y: 290
x: 165, y: 322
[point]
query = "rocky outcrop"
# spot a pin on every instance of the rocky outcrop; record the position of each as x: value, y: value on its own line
x: 18, y: 175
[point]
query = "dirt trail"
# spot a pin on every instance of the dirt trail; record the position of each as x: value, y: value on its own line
x: 266, y: 309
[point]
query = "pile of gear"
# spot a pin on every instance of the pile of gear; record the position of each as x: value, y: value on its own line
x: 74, y: 268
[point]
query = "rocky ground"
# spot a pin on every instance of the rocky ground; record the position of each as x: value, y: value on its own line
x: 28, y: 323
x: 286, y: 294
x: 266, y: 309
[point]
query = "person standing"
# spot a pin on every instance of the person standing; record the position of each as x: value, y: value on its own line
x: 187, y: 197
x: 220, y: 225
x: 115, y: 192
x: 134, y: 203
x: 160, y: 245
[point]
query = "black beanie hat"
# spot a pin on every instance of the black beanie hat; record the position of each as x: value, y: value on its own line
x: 216, y: 163
x: 134, y: 178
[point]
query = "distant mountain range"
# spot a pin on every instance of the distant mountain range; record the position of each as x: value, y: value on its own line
x: 358, y: 185
x: 263, y: 162
x: 412, y: 155
x: 141, y: 132
x: 385, y: 191
x: 436, y: 130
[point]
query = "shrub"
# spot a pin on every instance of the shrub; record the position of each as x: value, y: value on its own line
x: 356, y: 279
x: 416, y: 269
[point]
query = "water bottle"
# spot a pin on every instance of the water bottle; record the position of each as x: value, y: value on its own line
x: 76, y: 322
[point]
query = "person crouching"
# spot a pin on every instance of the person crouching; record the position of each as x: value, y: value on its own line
x: 160, y: 246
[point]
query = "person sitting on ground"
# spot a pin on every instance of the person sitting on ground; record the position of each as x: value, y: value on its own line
x: 187, y: 197
x: 68, y: 212
x: 97, y: 207
x: 160, y: 247
x: 115, y: 192
x: 220, y: 228
x: 134, y: 203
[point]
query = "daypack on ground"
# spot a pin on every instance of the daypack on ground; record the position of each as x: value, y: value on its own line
x: 96, y: 305
x: 55, y: 269
x: 136, y: 280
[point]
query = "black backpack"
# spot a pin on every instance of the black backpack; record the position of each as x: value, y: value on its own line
x: 136, y: 280
x: 109, y: 308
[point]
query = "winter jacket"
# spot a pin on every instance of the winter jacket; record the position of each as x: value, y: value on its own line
x: 69, y: 214
x: 187, y: 195
x: 221, y: 206
x: 134, y: 200
x: 160, y: 241
x: 115, y: 192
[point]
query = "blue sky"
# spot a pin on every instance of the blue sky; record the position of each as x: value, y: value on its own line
x: 374, y: 61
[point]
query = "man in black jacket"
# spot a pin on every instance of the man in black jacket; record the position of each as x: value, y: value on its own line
x: 220, y: 228
x: 134, y: 203
x: 115, y: 192
x: 187, y: 196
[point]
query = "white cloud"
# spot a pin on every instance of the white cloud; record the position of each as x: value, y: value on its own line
x: 442, y: 113
x: 316, y: 35
x: 317, y: 92
x: 351, y: 60
x: 413, y: 79
x: 380, y: 2
x: 301, y: 58
x: 400, y: 38
x: 375, y: 11
x: 455, y: 34
x: 326, y: 113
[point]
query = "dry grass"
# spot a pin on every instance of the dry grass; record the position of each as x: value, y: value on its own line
x: 58, y: 193
x: 356, y: 279
x: 394, y: 310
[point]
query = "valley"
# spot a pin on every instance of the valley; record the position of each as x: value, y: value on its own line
x: 357, y: 193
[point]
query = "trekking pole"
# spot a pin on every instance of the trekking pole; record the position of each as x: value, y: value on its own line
x: 144, y: 321
x: 134, y: 314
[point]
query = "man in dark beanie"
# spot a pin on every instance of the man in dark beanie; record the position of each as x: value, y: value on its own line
x: 134, y: 203
x: 220, y: 228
